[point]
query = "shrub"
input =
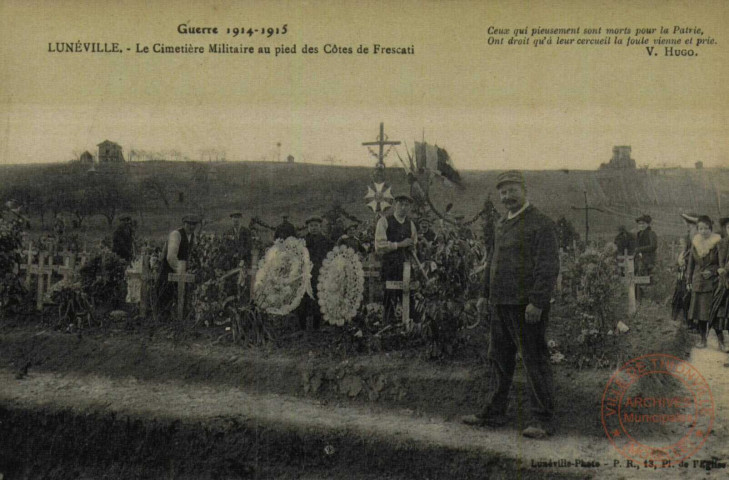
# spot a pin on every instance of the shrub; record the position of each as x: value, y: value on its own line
x: 102, y: 278
x: 12, y: 292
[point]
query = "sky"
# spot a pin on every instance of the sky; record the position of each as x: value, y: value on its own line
x: 490, y: 106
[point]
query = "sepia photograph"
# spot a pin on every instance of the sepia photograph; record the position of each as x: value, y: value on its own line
x: 408, y: 239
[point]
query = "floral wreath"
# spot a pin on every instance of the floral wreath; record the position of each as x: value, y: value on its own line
x: 283, y: 276
x: 341, y: 285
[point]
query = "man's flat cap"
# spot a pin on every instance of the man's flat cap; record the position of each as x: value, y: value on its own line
x: 403, y: 198
x: 723, y: 221
x: 314, y: 218
x: 644, y: 218
x: 236, y: 215
x: 510, y: 176
x: 194, y: 219
x: 125, y: 218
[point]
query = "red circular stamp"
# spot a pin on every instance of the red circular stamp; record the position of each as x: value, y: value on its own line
x: 657, y: 409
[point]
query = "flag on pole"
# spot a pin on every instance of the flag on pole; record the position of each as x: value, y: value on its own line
x: 437, y: 160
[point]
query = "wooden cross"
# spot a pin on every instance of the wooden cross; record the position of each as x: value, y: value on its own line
x: 631, y: 280
x: 143, y: 275
x: 372, y: 273
x: 66, y: 254
x: 406, y: 286
x: 242, y: 272
x: 49, y: 272
x: 252, y: 270
x: 182, y: 278
x: 40, y: 270
x: 84, y: 256
x: 30, y: 253
x: 587, y: 209
x: 381, y: 142
x: 69, y: 266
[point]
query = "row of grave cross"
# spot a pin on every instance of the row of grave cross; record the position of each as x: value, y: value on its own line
x: 44, y: 268
x: 40, y: 264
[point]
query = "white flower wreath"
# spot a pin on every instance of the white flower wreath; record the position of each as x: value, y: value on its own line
x: 341, y: 285
x: 283, y: 276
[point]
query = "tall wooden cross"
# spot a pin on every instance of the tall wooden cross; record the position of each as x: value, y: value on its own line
x: 406, y: 286
x: 372, y: 273
x: 182, y: 278
x: 631, y: 280
x: 587, y: 209
x: 381, y: 142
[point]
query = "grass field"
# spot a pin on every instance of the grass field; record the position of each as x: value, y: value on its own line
x: 269, y: 190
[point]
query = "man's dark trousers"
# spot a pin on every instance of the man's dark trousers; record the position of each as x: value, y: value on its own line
x: 509, y: 333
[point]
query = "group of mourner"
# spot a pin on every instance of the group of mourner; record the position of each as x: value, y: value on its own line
x: 523, y: 270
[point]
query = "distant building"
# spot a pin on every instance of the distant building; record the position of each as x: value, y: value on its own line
x: 290, y: 159
x: 621, y: 158
x: 86, y: 157
x: 110, y: 152
x: 699, y: 165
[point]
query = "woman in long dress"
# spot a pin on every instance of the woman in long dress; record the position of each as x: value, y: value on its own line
x: 703, y: 277
x: 720, y: 305
x: 681, y: 296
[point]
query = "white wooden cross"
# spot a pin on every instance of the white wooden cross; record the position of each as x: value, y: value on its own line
x: 143, y: 275
x: 49, y: 272
x: 252, y: 271
x: 66, y: 254
x: 372, y: 273
x: 631, y: 280
x: 406, y: 286
x: 69, y: 266
x: 84, y: 255
x: 29, y: 253
x: 40, y: 270
x: 181, y: 278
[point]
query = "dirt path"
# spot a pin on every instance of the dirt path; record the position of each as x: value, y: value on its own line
x: 710, y: 362
x: 185, y: 402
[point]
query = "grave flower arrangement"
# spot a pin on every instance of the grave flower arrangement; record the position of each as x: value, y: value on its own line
x: 283, y: 276
x: 341, y: 285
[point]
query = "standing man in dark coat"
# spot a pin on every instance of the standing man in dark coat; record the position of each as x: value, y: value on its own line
x: 318, y: 246
x: 285, y: 230
x: 523, y: 273
x: 647, y: 244
x: 123, y: 240
x: 175, y: 252
x: 395, y: 239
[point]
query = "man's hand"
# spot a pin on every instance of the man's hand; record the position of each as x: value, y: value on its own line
x: 533, y: 314
x: 405, y: 243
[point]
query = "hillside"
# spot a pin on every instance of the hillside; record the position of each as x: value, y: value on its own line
x: 269, y: 190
